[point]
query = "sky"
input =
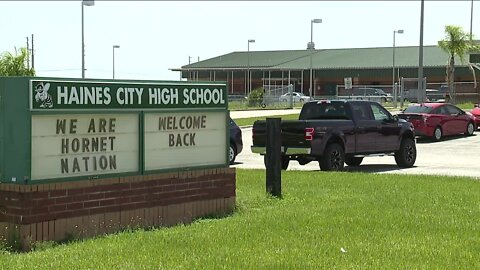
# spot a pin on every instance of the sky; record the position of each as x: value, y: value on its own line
x: 155, y: 36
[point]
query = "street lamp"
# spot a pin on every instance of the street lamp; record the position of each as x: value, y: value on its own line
x: 394, y: 92
x: 84, y: 3
x: 113, y: 58
x: 249, y: 84
x: 471, y: 20
x: 311, y: 46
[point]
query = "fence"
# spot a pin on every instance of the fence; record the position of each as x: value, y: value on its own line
x: 464, y: 91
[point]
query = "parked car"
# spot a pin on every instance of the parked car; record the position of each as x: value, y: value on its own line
x: 372, y: 92
x: 297, y: 97
x: 431, y: 95
x: 476, y: 114
x: 436, y: 120
x: 236, y: 143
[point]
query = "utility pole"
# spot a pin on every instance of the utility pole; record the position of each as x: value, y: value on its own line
x: 33, y: 54
x: 471, y: 20
x: 189, y: 57
x: 28, y: 56
x: 421, y: 88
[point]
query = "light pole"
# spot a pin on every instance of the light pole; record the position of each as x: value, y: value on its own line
x: 113, y: 58
x: 311, y: 46
x: 394, y: 92
x: 249, y: 84
x: 421, y: 89
x: 84, y: 3
x: 471, y: 20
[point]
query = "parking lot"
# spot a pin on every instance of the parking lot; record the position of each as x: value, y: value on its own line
x: 452, y: 156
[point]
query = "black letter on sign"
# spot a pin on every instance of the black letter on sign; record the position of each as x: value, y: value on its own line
x: 65, y: 146
x: 86, y: 162
x: 73, y: 126
x: 171, y: 142
x: 103, y: 162
x: 61, y: 126
x: 179, y: 140
x: 91, y: 127
x: 111, y: 125
x: 76, y: 166
x: 113, y: 162
x: 192, y: 138
x: 64, y: 165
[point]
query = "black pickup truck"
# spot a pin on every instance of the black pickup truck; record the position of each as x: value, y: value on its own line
x: 341, y: 131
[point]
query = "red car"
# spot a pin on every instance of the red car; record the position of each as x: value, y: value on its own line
x: 436, y: 120
x: 476, y: 113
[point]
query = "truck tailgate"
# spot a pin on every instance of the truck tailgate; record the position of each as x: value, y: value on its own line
x: 292, y: 131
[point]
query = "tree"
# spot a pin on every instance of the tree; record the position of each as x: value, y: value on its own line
x: 15, y: 65
x: 456, y: 43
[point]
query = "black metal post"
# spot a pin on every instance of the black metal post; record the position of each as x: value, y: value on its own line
x: 272, y: 157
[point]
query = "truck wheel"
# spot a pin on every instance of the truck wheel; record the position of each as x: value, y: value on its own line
x: 333, y: 158
x: 284, y: 162
x: 353, y: 161
x: 407, y: 154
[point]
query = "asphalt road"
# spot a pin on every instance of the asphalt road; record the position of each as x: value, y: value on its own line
x: 452, y: 156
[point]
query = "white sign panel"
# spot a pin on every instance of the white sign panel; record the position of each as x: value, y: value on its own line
x: 178, y: 140
x: 84, y: 144
x: 348, y: 82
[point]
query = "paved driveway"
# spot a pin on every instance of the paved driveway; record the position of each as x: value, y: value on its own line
x: 455, y: 156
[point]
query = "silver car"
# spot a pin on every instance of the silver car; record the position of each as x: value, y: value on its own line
x: 297, y: 97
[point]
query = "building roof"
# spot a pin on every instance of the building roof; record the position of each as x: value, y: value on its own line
x: 353, y: 58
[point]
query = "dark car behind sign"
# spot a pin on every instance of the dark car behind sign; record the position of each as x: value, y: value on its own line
x: 236, y: 143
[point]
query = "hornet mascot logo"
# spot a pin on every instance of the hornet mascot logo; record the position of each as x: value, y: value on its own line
x: 43, y: 96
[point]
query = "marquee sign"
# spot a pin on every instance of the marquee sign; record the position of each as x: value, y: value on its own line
x: 187, y: 139
x: 84, y: 144
x: 67, y: 129
x: 49, y: 95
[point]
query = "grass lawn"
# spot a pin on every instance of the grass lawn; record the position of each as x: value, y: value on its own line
x: 324, y: 221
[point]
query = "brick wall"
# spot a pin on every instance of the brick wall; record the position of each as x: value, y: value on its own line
x: 85, y: 208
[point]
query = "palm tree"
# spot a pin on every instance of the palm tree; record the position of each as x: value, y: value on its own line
x: 456, y: 43
x: 15, y: 64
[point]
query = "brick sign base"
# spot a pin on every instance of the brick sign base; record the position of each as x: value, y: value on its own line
x: 82, y: 209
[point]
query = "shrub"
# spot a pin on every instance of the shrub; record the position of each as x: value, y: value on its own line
x: 255, y: 98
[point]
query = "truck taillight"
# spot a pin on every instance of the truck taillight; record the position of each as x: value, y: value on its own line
x: 309, y: 134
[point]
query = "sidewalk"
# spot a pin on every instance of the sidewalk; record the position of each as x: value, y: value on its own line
x: 257, y: 113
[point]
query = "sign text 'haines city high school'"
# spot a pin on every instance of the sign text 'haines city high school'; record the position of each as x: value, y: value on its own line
x: 52, y: 95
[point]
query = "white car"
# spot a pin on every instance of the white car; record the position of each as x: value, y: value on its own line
x: 297, y: 97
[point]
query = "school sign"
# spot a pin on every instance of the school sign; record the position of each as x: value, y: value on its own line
x: 86, y: 128
x: 89, y: 157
